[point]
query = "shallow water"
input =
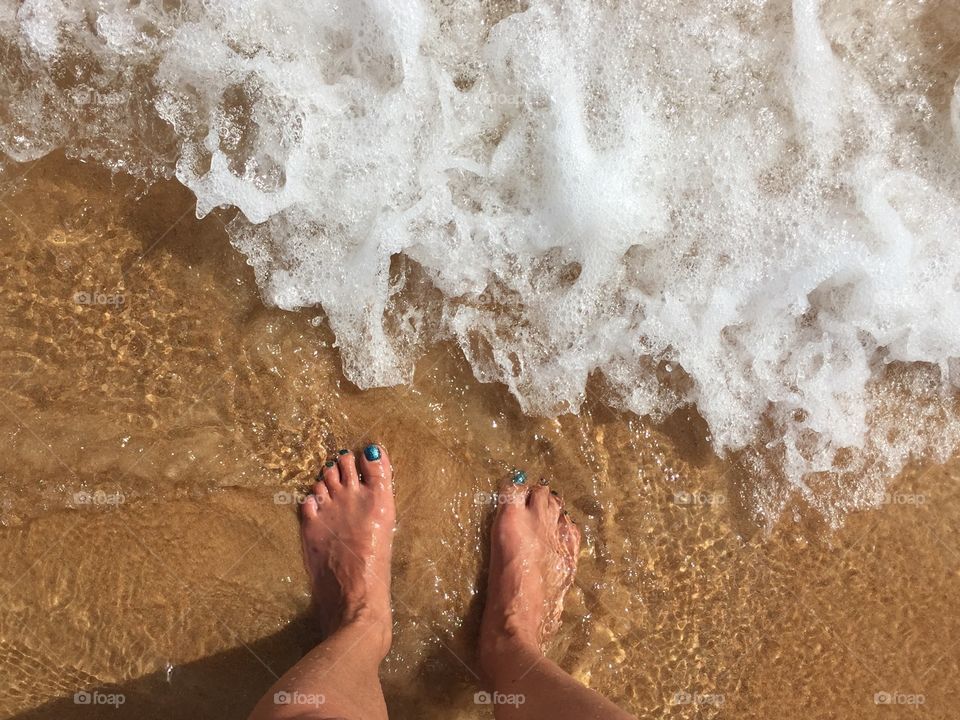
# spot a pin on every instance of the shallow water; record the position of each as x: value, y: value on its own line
x: 185, y: 409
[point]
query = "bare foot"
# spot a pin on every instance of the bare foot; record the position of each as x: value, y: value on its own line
x: 533, y: 559
x: 347, y: 525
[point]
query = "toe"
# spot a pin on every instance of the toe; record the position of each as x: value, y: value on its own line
x: 556, y: 498
x: 539, y: 499
x: 308, y: 508
x: 330, y: 476
x: 375, y: 467
x: 348, y: 468
x: 321, y: 493
x: 554, y: 505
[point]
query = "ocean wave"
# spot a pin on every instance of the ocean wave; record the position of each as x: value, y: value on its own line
x: 749, y: 206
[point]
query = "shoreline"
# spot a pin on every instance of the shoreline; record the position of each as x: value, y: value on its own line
x: 197, y: 405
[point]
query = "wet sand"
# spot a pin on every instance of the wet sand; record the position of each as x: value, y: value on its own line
x: 157, y: 424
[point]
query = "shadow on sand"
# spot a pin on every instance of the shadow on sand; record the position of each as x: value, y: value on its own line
x: 225, y: 685
x: 228, y: 684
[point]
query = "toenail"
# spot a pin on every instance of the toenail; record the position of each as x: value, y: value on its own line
x: 519, y: 477
x: 330, y: 463
x: 544, y: 481
x: 554, y: 492
x: 371, y: 453
x: 343, y: 452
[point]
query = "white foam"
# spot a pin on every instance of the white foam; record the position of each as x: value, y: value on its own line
x: 745, y: 190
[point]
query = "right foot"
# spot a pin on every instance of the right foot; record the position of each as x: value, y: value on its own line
x: 533, y: 559
x: 347, y: 525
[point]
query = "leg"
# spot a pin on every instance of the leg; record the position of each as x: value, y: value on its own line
x: 347, y: 527
x: 532, y: 562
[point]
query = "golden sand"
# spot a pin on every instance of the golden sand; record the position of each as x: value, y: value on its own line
x: 157, y: 418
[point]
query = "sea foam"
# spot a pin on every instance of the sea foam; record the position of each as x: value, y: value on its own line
x: 751, y: 206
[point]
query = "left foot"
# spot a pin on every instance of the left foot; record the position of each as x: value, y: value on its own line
x: 347, y: 525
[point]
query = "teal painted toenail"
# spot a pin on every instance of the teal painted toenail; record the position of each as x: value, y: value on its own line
x: 519, y: 477
x: 343, y: 452
x: 330, y: 463
x: 371, y: 453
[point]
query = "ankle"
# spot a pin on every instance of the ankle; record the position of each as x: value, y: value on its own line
x: 372, y: 625
x: 500, y: 651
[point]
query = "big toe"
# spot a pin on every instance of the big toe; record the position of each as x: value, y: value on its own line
x: 513, y: 492
x: 375, y: 468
